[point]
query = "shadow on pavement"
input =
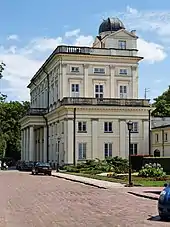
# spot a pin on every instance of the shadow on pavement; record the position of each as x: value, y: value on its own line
x: 156, y: 218
x: 154, y: 192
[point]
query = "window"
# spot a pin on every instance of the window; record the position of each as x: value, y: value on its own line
x: 123, y: 71
x: 108, y: 127
x: 75, y: 90
x: 123, y: 91
x: 135, y: 127
x: 156, y: 138
x: 82, y: 126
x: 74, y: 69
x: 107, y: 150
x: 82, y: 151
x: 99, y: 70
x: 98, y: 91
x: 134, y: 148
x: 166, y: 137
x: 122, y: 44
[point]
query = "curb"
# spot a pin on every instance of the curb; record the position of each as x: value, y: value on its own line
x: 82, y: 182
x: 143, y: 196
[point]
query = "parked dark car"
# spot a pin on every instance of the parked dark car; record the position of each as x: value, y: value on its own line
x: 25, y: 166
x: 164, y: 203
x: 42, y: 167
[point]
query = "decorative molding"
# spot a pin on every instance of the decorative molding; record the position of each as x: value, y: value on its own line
x: 64, y: 65
x: 94, y: 119
x: 86, y: 66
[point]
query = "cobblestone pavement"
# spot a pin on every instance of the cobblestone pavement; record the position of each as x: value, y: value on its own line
x: 41, y: 201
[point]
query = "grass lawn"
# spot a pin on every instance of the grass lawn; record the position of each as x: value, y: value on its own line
x: 138, y: 181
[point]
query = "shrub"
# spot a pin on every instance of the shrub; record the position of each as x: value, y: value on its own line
x: 152, y: 170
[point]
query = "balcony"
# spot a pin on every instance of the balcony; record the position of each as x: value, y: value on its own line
x: 105, y: 102
x: 36, y: 111
x: 95, y: 51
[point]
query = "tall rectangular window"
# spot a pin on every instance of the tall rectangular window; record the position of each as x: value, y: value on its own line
x: 123, y: 91
x: 135, y: 127
x: 107, y: 150
x: 75, y: 90
x: 134, y: 148
x: 108, y: 127
x: 99, y: 91
x: 82, y: 126
x: 82, y: 151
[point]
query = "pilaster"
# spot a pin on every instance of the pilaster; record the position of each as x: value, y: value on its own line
x: 122, y: 138
x: 94, y: 138
x: 86, y: 69
x: 112, y: 81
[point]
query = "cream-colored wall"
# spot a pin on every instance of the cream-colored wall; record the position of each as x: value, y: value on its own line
x: 95, y: 136
x: 159, y: 145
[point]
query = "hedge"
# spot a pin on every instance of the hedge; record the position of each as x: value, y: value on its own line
x: 164, y: 161
x: 137, y: 161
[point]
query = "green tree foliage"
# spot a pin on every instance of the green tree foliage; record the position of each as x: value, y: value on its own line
x: 162, y: 105
x: 10, y: 114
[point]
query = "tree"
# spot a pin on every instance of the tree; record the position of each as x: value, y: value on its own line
x: 10, y: 114
x: 162, y: 105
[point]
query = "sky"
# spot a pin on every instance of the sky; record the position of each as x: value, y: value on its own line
x: 31, y: 30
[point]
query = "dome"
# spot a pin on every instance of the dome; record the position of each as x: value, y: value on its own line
x: 111, y: 24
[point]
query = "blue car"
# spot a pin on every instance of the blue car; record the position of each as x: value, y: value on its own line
x: 164, y: 203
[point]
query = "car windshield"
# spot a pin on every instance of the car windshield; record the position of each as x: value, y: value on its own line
x: 42, y: 164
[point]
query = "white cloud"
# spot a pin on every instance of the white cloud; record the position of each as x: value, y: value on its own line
x: 72, y: 33
x: 84, y: 40
x: 151, y: 52
x: 13, y: 37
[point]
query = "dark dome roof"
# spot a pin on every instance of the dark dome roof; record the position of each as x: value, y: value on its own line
x: 111, y: 24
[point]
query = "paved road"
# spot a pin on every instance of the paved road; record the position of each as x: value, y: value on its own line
x: 41, y: 201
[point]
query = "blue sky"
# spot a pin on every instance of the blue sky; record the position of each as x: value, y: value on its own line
x: 30, y: 30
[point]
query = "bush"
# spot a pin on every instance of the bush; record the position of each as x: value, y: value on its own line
x: 164, y: 161
x: 152, y: 170
x: 116, y: 165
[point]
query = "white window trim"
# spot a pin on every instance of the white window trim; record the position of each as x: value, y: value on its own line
x: 107, y: 123
x: 133, y: 150
x: 123, y: 95
x: 83, y: 153
x: 135, y: 127
x: 124, y: 71
x: 74, y: 71
x: 99, y: 93
x: 165, y: 137
x: 98, y: 71
x: 74, y: 93
x: 156, y: 138
x: 82, y: 124
x: 120, y: 46
x: 109, y: 150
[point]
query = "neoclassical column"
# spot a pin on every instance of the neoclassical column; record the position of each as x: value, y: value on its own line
x: 41, y: 144
x: 45, y: 145
x: 86, y: 69
x: 31, y: 143
x: 122, y: 138
x: 112, y: 81
x: 22, y: 145
x: 27, y: 144
x: 70, y: 141
x: 94, y: 141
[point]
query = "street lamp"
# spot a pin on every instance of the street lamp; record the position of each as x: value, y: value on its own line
x: 130, y: 127
x: 58, y: 154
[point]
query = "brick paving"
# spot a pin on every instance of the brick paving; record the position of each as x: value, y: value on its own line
x: 41, y: 201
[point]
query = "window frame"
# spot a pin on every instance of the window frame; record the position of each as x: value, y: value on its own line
x: 123, y: 94
x: 99, y: 70
x: 82, y: 127
x: 75, y: 90
x: 122, y: 44
x: 82, y: 148
x: 98, y: 91
x: 134, y: 148
x: 135, y: 127
x: 75, y: 71
x: 108, y: 149
x: 108, y: 125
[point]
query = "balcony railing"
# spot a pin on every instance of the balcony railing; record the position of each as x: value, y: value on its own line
x: 95, y: 51
x: 105, y: 102
x: 36, y: 111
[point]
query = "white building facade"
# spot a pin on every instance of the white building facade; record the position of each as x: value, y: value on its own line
x: 82, y: 98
